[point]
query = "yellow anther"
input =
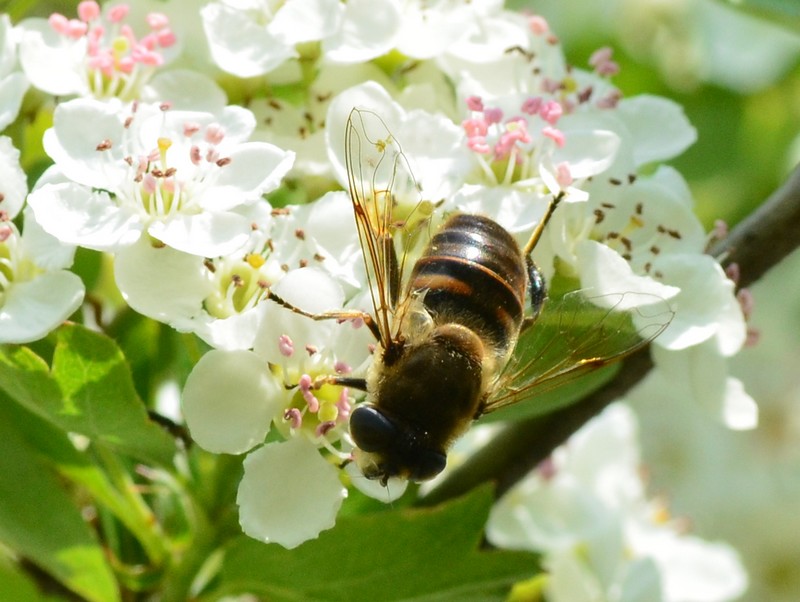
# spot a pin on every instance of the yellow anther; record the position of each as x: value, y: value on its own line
x: 255, y: 260
x: 163, y: 145
x: 328, y: 412
x: 120, y: 45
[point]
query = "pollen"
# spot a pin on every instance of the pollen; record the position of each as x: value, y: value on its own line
x: 255, y: 260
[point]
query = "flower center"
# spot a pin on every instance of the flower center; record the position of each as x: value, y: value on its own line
x: 508, y: 148
x: 117, y: 63
x: 13, y: 266
x: 243, y: 283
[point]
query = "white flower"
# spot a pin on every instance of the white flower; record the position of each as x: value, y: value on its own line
x: 13, y: 84
x: 256, y: 37
x: 432, y: 145
x: 300, y: 126
x: 232, y: 399
x: 366, y: 31
x: 178, y: 176
x: 220, y: 298
x: 94, y: 55
x: 37, y: 293
x: 743, y: 487
x: 586, y: 511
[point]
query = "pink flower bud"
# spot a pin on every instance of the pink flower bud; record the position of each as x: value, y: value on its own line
x: 88, y: 10
x: 118, y: 13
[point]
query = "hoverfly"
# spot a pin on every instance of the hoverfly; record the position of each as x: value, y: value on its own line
x: 456, y: 328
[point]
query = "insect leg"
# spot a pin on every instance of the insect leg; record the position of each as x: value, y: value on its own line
x: 348, y: 381
x: 343, y: 314
x: 353, y: 382
x: 537, y: 231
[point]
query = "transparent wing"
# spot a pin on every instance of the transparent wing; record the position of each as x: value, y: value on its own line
x: 387, y: 208
x: 575, y: 335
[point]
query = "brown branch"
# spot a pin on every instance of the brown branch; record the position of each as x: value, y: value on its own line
x: 766, y: 236
x: 756, y: 244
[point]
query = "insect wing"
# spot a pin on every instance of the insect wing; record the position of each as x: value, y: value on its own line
x: 575, y: 335
x: 385, y: 199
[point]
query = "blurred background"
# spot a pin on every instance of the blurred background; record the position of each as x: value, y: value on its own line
x: 735, y: 68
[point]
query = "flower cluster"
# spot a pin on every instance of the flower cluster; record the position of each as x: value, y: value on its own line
x: 212, y: 210
x: 602, y: 539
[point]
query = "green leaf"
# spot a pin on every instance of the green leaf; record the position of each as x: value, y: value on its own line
x: 40, y: 522
x: 18, y: 586
x: 419, y: 554
x: 54, y: 446
x: 89, y: 391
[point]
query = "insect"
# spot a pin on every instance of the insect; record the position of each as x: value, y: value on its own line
x: 458, y: 332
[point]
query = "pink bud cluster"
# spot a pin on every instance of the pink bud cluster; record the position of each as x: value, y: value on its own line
x: 602, y: 63
x: 112, y: 46
x: 488, y: 132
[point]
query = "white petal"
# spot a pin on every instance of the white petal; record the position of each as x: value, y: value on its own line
x: 490, y: 37
x: 393, y: 490
x: 13, y: 184
x: 306, y: 21
x: 239, y: 45
x: 160, y: 282
x: 289, y: 493
x: 311, y: 290
x: 604, y: 272
x: 699, y: 374
x: 515, y: 209
x: 51, y: 62
x: 706, y: 305
x: 604, y: 456
x: 235, y: 332
x: 8, y: 45
x: 589, y: 148
x: 255, y: 168
x: 642, y: 582
x: 237, y: 122
x: 76, y: 215
x: 12, y: 89
x: 73, y: 146
x: 436, y: 151
x: 332, y: 227
x: 740, y: 411
x: 34, y: 308
x: 204, y: 234
x: 571, y: 579
x: 659, y: 128
x: 367, y: 31
x: 45, y: 250
x: 370, y: 96
x: 185, y: 90
x: 693, y: 570
x: 429, y: 32
x: 229, y: 401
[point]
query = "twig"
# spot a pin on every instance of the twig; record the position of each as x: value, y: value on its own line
x: 756, y: 244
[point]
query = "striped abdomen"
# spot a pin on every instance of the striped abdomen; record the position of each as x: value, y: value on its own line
x: 474, y: 274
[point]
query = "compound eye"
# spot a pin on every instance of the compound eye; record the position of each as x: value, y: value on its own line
x: 371, y: 430
x: 428, y: 464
